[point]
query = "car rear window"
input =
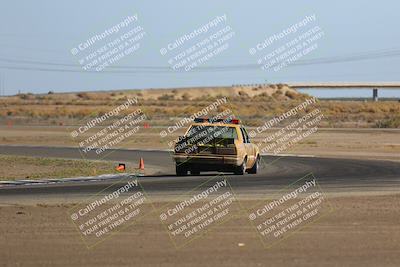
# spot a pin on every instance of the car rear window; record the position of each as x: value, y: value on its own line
x: 216, y: 131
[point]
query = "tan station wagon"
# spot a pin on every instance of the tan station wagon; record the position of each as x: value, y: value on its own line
x: 216, y: 145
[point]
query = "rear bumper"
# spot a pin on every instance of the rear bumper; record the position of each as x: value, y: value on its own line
x: 220, y: 160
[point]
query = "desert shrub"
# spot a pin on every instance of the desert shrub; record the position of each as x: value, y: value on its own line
x: 26, y: 96
x: 243, y: 94
x: 84, y: 96
x: 388, y: 123
x: 291, y: 94
x: 373, y: 110
x: 186, y: 97
x: 278, y: 92
x: 166, y: 97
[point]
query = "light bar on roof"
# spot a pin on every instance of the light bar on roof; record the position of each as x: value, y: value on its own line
x: 228, y: 121
x: 200, y: 119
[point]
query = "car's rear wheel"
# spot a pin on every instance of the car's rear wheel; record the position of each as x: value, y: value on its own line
x: 240, y: 170
x: 181, y: 170
x: 255, y: 167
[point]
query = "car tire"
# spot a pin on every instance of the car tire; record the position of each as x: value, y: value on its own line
x: 256, y: 164
x: 181, y: 170
x: 240, y: 170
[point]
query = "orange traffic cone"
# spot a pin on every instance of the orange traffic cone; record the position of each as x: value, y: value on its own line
x: 120, y: 168
x: 141, y: 167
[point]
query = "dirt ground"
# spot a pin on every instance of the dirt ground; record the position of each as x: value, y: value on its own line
x: 361, y: 231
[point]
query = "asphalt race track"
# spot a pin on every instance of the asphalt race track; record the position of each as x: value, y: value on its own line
x: 337, y: 175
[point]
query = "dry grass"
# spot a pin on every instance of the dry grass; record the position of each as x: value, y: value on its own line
x: 253, y: 104
x: 19, y: 167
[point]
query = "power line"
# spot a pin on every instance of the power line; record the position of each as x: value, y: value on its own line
x: 166, y: 69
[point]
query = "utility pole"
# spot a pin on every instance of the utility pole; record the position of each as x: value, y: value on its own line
x: 375, y: 94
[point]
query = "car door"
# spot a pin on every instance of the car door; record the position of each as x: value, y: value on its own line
x: 249, y: 148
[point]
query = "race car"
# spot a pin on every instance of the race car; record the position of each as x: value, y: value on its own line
x: 216, y: 145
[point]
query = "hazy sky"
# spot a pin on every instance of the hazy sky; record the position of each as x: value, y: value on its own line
x: 360, y: 42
